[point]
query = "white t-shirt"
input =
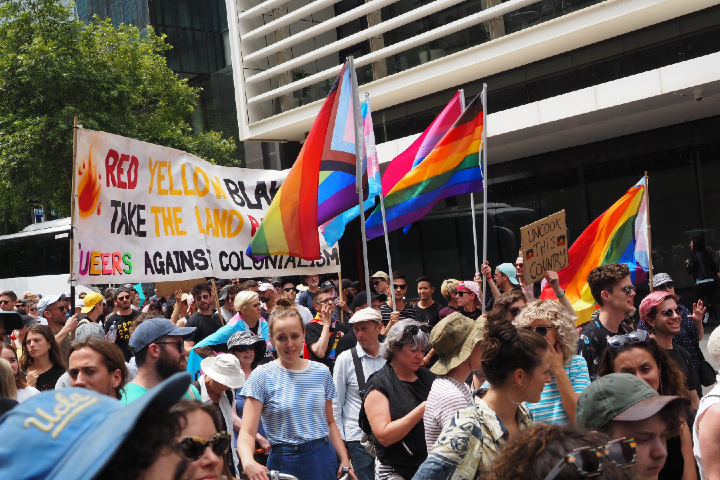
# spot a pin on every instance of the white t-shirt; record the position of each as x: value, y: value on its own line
x: 293, y: 401
x: 706, y: 402
x: 25, y: 393
x: 447, y: 397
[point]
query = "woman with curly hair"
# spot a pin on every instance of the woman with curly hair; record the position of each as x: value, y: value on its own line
x: 568, y: 371
x: 638, y: 354
x: 546, y: 449
x: 41, y: 358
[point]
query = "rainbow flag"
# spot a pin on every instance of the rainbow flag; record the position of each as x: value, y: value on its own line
x: 617, y: 236
x: 321, y: 182
x: 451, y: 168
x: 422, y: 146
x: 335, y: 228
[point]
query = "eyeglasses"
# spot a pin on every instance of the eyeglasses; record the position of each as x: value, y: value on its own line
x: 193, y: 448
x: 289, y: 289
x: 541, y: 329
x: 179, y: 345
x: 665, y: 286
x: 242, y: 348
x: 201, y: 297
x: 669, y: 311
x: 618, y: 341
x: 326, y: 301
x: 628, y: 290
x: 588, y: 462
x: 515, y: 311
x: 399, y: 287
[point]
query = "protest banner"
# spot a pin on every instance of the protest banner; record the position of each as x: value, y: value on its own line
x: 147, y: 213
x: 545, y: 247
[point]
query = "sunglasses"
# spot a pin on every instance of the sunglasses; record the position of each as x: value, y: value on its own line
x: 628, y: 290
x: 4, y: 302
x: 412, y: 330
x: 588, y: 461
x: 242, y: 348
x: 179, y: 345
x: 399, y: 287
x: 665, y: 286
x: 201, y: 297
x: 541, y: 329
x: 670, y: 311
x: 122, y: 299
x: 461, y: 293
x: 193, y: 448
x: 637, y: 336
x: 289, y: 289
x: 377, y: 282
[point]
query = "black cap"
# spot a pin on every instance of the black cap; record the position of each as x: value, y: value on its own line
x: 361, y: 298
x: 347, y: 283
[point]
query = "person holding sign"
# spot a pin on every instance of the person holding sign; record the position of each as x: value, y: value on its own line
x: 504, y: 280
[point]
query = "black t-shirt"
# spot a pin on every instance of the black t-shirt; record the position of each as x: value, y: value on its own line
x: 205, y: 326
x: 125, y: 329
x: 592, y: 342
x: 429, y: 315
x: 682, y: 358
x: 475, y: 314
x: 47, y: 380
x: 313, y: 331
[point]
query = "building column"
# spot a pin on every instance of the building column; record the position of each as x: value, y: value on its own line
x: 376, y: 43
x: 286, y: 101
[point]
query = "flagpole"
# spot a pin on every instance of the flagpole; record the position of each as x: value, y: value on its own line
x: 484, y: 163
x: 650, y: 266
x: 359, y: 163
x: 472, y: 200
x: 387, y: 241
x: 73, y: 280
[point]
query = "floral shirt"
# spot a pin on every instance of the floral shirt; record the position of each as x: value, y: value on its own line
x: 470, y: 443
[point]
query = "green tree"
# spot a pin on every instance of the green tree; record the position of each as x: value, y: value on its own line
x: 54, y: 67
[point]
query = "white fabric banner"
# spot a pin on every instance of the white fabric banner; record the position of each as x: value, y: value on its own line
x: 146, y: 213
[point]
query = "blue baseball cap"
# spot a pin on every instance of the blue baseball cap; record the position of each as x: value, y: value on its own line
x: 74, y: 432
x: 509, y: 270
x: 152, y: 329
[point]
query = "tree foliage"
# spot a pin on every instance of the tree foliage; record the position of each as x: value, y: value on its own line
x: 54, y: 67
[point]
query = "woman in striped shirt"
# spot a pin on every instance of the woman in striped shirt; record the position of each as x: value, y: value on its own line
x: 569, y: 371
x: 294, y: 398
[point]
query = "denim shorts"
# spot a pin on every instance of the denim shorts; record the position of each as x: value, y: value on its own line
x: 313, y: 460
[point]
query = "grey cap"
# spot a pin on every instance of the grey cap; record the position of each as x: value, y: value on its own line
x: 29, y: 321
x: 152, y: 329
x: 88, y: 329
x: 46, y: 302
x: 621, y: 397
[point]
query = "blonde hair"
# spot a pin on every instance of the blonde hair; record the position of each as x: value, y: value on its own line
x: 449, y: 287
x: 8, y: 388
x: 283, y: 309
x: 244, y: 299
x: 554, y: 313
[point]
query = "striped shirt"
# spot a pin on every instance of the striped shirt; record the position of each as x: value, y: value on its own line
x: 550, y: 408
x: 407, y: 312
x: 293, y: 401
x: 447, y: 397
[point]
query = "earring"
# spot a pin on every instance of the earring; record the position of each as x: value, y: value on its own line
x: 513, y: 401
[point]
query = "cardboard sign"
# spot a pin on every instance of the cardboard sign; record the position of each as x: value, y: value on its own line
x: 545, y: 246
x: 167, y: 289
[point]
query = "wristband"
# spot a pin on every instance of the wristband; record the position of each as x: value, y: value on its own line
x: 562, y: 294
x: 488, y: 278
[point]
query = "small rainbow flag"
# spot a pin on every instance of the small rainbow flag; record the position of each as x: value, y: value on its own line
x: 451, y: 168
x: 321, y: 182
x: 617, y: 236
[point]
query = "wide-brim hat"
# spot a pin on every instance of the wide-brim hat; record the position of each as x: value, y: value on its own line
x: 224, y: 369
x: 77, y: 430
x: 453, y: 340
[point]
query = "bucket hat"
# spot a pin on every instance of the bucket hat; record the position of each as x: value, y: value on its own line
x: 454, y: 339
x: 224, y: 369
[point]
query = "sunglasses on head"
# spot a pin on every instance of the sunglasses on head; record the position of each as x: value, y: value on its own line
x: 541, y: 329
x: 588, y: 461
x: 193, y: 448
x: 412, y: 330
x: 618, y: 341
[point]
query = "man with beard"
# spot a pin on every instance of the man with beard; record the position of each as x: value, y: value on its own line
x: 205, y: 320
x: 123, y: 319
x: 52, y: 308
x: 159, y: 353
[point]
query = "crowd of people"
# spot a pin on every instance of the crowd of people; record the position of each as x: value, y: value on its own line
x: 315, y: 379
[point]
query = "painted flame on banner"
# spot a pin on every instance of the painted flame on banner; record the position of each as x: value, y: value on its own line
x: 88, y: 188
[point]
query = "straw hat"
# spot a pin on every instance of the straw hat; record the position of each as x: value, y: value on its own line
x: 453, y: 339
x: 224, y: 369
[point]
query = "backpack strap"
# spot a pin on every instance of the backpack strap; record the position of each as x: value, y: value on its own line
x: 358, y: 371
